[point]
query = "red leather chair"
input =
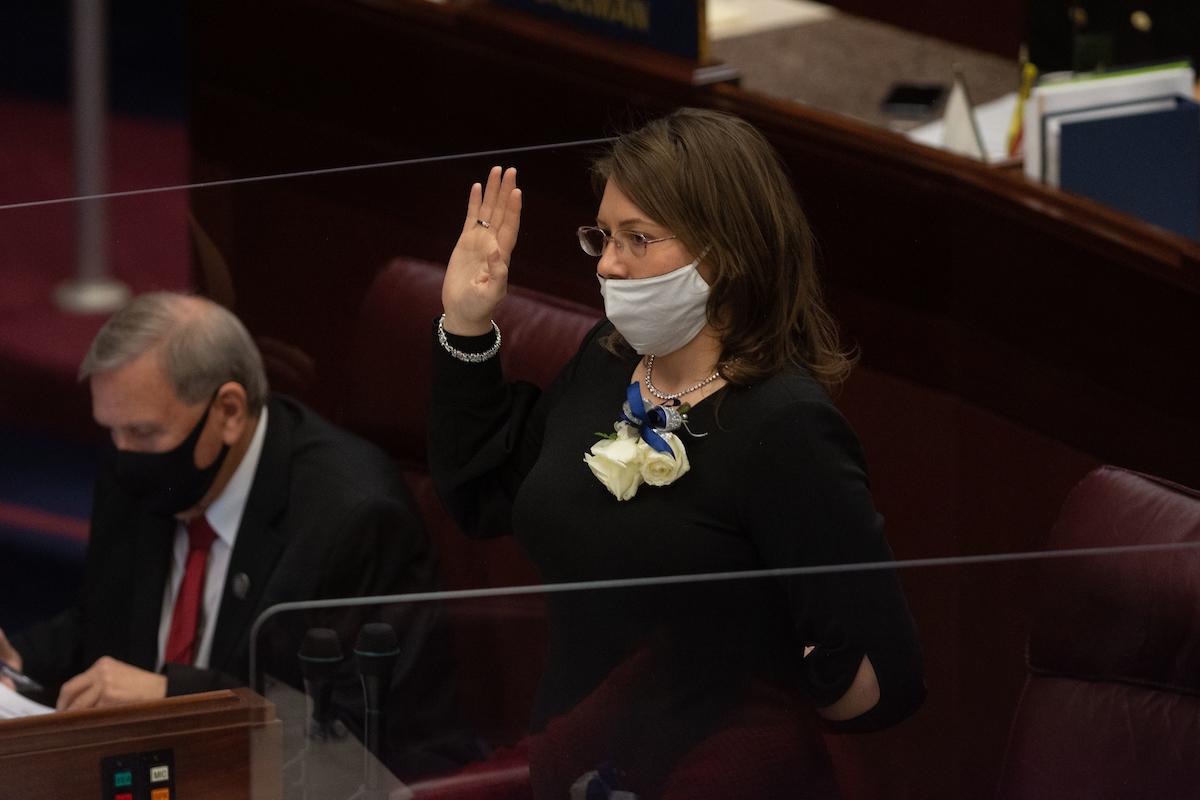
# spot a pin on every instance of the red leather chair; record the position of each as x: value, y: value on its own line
x: 499, y: 643
x: 1111, y: 706
x: 387, y: 397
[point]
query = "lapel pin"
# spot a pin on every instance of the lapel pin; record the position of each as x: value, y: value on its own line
x: 240, y: 585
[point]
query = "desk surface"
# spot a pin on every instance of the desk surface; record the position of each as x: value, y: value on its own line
x: 847, y: 64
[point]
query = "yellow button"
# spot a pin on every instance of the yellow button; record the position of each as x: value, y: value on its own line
x: 160, y: 794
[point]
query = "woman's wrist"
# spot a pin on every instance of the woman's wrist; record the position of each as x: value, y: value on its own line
x: 474, y: 353
x: 462, y: 327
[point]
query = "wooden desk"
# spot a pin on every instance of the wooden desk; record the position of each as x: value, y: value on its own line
x: 226, y: 744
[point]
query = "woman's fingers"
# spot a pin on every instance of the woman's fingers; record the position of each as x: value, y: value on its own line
x: 508, y: 185
x: 501, y: 183
x: 498, y: 204
x: 474, y: 202
x: 491, y: 192
x: 506, y: 235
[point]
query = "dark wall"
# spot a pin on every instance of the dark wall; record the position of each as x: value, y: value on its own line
x: 995, y: 27
x: 147, y: 69
x: 1061, y: 34
x: 1090, y: 34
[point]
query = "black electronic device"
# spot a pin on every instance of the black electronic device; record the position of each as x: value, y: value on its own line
x: 320, y: 655
x: 913, y: 101
x: 149, y: 775
x: 376, y: 651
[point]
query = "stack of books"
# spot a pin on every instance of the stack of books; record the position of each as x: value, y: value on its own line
x: 1128, y: 139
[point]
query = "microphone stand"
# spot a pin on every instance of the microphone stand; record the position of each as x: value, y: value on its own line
x: 320, y: 654
x: 376, y: 651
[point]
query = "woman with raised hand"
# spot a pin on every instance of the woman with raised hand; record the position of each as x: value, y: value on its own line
x: 719, y: 451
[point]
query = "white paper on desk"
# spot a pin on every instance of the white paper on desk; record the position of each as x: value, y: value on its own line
x: 993, y: 119
x: 727, y: 19
x: 15, y: 706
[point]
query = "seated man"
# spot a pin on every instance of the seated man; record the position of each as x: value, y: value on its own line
x: 216, y: 501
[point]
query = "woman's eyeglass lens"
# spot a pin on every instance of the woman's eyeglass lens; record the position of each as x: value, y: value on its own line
x: 593, y: 240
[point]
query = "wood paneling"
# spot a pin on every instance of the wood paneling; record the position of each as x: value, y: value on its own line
x: 226, y: 744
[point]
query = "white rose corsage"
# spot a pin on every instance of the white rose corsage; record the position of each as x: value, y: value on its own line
x: 642, y: 449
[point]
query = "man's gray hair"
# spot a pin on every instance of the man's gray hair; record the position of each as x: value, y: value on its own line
x: 203, y: 346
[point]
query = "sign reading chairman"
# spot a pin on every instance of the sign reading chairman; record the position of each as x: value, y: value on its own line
x: 673, y: 26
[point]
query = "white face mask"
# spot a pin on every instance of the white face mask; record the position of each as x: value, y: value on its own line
x: 657, y: 315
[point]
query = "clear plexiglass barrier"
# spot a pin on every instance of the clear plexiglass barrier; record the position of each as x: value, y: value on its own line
x: 1032, y: 676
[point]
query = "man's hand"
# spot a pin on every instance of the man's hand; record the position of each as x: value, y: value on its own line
x: 10, y: 656
x: 108, y: 683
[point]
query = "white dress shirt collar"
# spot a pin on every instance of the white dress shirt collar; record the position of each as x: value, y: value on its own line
x: 225, y: 513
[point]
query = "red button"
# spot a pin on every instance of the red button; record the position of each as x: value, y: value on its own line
x: 123, y: 797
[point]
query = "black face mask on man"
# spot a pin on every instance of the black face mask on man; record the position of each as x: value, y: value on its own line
x: 168, y: 483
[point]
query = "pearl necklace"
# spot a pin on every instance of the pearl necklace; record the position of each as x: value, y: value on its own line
x: 660, y: 395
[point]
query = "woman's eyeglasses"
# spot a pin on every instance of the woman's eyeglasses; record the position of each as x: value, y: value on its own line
x: 594, y: 240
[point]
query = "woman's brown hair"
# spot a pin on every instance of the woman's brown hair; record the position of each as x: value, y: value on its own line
x: 713, y: 180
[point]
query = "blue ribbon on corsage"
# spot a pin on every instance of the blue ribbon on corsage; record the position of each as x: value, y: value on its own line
x: 605, y: 782
x: 651, y: 419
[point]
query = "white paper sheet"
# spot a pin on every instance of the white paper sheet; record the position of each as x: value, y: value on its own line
x: 993, y: 119
x: 15, y: 706
x: 729, y: 18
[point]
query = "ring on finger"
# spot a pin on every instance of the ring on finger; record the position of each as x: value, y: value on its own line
x: 484, y: 224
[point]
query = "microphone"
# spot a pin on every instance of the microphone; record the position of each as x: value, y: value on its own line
x: 376, y: 650
x: 320, y: 654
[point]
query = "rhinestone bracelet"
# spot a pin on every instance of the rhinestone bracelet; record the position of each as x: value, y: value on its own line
x: 470, y: 358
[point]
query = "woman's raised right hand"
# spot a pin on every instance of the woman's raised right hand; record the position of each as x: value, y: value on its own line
x: 477, y: 275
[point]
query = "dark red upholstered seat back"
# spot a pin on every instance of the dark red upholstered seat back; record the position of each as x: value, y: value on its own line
x: 387, y: 396
x: 1111, y: 707
x: 499, y: 643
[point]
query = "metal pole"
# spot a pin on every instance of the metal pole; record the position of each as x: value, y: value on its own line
x: 92, y: 291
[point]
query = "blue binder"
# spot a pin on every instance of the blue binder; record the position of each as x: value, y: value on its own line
x: 1147, y: 165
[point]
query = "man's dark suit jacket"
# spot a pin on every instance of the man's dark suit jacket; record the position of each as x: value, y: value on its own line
x: 328, y: 515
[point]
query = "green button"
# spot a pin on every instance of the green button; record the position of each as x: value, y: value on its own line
x: 123, y: 779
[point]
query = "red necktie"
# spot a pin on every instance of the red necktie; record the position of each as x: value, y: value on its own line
x: 181, y: 643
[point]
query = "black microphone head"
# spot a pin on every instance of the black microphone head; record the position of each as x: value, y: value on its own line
x: 377, y: 639
x: 376, y: 648
x: 320, y: 653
